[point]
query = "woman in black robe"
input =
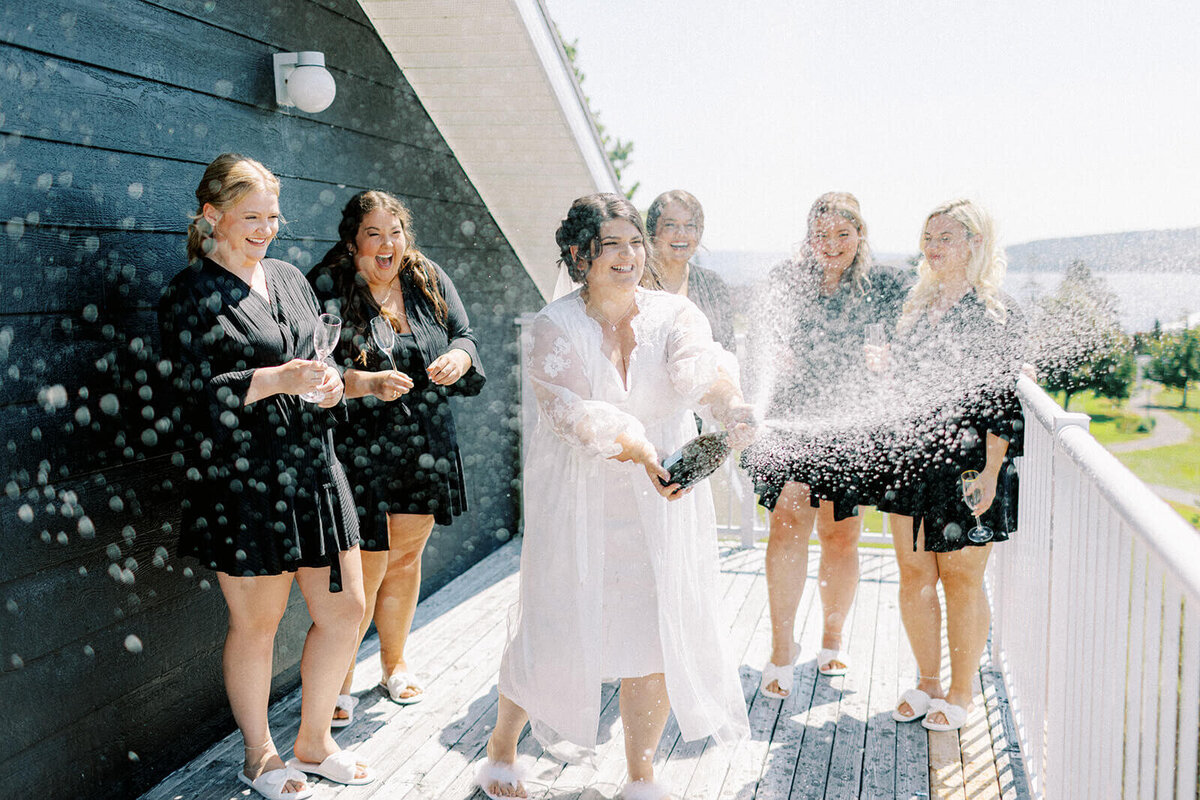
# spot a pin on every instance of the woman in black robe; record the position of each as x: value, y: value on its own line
x: 955, y: 362
x: 809, y: 466
x: 265, y: 500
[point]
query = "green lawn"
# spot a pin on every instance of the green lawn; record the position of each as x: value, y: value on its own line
x: 1190, y: 513
x: 1111, y: 421
x: 1177, y: 465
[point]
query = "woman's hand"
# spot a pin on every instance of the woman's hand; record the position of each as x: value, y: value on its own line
x: 300, y: 375
x: 740, y: 423
x: 451, y: 365
x: 390, y: 384
x: 331, y: 385
x: 640, y: 451
x: 986, y: 482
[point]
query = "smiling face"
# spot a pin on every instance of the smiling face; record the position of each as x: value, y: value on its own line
x: 677, y: 235
x: 946, y: 246
x: 243, y: 231
x: 619, y: 259
x: 834, y: 242
x: 378, y: 247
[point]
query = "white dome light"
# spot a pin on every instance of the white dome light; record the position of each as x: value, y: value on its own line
x: 301, y: 80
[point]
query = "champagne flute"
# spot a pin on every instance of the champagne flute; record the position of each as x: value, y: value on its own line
x: 325, y: 339
x: 972, y: 495
x: 874, y: 346
x: 384, y: 337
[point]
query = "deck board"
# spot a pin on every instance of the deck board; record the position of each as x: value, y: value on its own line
x: 833, y: 738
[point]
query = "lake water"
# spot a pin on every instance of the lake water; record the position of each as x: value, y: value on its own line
x: 1142, y: 297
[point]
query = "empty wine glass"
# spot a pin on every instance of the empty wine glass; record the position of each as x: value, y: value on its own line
x: 384, y: 337
x: 972, y: 495
x: 325, y: 339
x: 875, y: 335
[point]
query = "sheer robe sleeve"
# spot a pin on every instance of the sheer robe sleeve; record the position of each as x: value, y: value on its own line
x: 695, y: 362
x: 563, y: 392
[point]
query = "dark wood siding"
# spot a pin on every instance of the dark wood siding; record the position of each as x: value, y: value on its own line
x: 109, y: 110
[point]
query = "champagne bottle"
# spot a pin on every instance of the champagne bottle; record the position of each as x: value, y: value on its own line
x: 697, y: 459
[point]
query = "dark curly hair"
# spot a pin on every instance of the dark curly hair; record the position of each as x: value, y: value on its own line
x: 358, y: 307
x: 581, y: 229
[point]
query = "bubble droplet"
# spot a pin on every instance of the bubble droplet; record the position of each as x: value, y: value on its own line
x: 25, y: 513
x: 133, y: 644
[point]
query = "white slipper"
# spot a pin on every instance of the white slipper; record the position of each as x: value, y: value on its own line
x: 271, y: 784
x: 398, y: 682
x: 346, y: 702
x: 956, y: 716
x: 339, y: 768
x: 917, y: 700
x: 782, y: 674
x: 498, y: 772
x: 824, y: 658
x: 645, y: 790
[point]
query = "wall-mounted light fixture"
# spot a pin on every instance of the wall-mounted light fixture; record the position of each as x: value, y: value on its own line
x: 301, y: 80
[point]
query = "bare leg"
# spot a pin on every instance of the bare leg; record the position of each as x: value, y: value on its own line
x: 328, y: 647
x: 920, y: 609
x: 502, y: 745
x: 255, y: 607
x: 967, y: 619
x: 837, y: 573
x: 787, y: 568
x: 644, y: 711
x: 396, y: 602
x: 374, y: 565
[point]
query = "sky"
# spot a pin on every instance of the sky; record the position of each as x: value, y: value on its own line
x: 1064, y: 117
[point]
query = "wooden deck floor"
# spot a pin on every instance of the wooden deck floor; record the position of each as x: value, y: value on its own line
x: 832, y: 738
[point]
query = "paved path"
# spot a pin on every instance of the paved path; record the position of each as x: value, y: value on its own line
x: 1167, y: 431
x: 832, y: 739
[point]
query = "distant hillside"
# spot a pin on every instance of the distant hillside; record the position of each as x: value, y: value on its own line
x: 1132, y: 251
x: 1140, y: 251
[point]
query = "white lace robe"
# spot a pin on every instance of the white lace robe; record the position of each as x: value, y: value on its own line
x: 551, y: 665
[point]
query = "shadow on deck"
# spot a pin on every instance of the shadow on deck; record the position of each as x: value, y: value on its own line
x: 832, y: 738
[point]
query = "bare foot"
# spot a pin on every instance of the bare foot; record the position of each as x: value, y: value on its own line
x: 317, y: 755
x: 264, y: 759
x: 500, y: 786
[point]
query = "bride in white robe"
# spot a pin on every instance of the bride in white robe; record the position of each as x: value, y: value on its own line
x: 618, y: 572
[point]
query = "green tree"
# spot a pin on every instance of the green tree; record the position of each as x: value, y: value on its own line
x: 1175, y: 360
x: 619, y: 151
x: 1077, y: 338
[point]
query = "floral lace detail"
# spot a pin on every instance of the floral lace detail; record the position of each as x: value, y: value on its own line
x: 556, y: 361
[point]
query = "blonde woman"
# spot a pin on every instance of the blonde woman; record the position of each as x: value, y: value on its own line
x: 266, y: 502
x: 818, y: 308
x: 959, y: 350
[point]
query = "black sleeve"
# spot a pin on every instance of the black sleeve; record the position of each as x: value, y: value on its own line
x: 211, y: 403
x: 458, y: 331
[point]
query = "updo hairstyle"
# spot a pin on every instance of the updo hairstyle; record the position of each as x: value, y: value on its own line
x: 229, y: 178
x: 581, y: 229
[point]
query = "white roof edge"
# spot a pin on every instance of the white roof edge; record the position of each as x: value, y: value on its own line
x: 549, y: 48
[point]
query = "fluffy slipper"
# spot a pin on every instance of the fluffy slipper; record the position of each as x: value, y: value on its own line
x: 917, y: 700
x: 956, y: 716
x: 339, y: 768
x: 496, y: 772
x: 782, y: 674
x: 345, y: 702
x: 272, y: 785
x: 398, y: 682
x: 645, y: 790
x: 829, y: 664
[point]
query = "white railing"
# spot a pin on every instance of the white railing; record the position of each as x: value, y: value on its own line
x: 1096, y: 604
